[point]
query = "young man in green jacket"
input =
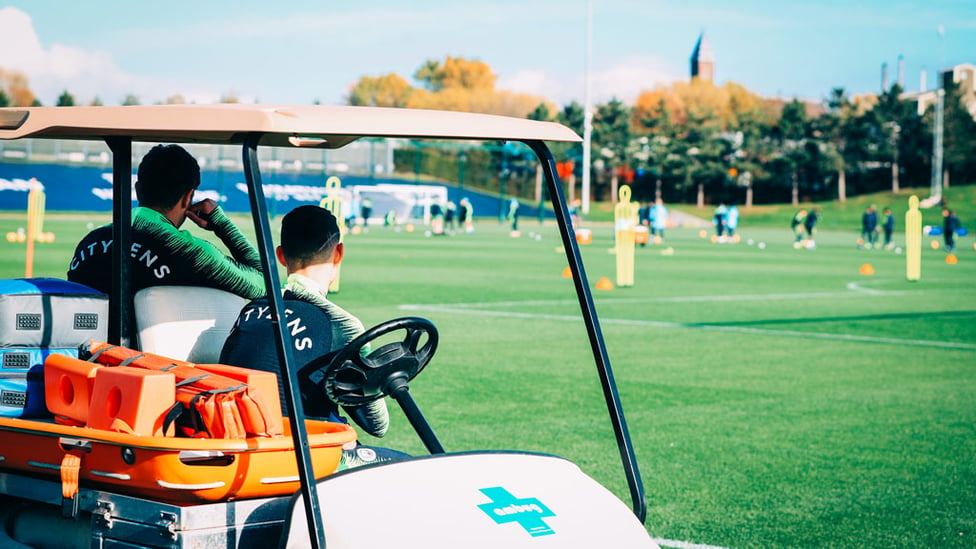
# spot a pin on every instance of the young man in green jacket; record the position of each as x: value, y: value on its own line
x: 162, y: 254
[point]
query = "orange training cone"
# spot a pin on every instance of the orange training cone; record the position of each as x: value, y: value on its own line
x: 604, y: 284
x: 567, y: 272
x: 867, y: 269
x: 951, y: 259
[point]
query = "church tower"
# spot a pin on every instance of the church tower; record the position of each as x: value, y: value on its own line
x: 703, y: 60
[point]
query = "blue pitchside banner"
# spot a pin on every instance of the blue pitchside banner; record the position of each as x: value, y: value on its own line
x: 89, y: 189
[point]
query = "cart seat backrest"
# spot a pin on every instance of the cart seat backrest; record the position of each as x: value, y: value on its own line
x: 185, y: 322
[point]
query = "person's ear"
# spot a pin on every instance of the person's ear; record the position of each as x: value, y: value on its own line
x: 187, y: 199
x: 281, y: 256
x: 338, y: 253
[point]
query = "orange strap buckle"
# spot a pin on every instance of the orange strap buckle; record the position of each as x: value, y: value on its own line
x: 70, y: 475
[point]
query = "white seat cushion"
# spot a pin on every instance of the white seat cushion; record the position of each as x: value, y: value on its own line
x: 185, y: 322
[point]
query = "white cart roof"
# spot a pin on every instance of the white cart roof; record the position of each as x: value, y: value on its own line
x: 316, y: 126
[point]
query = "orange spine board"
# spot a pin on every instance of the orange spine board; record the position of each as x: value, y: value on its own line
x: 185, y: 372
x: 232, y: 409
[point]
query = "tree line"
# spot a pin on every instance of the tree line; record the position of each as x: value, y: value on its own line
x: 695, y: 142
x: 691, y: 142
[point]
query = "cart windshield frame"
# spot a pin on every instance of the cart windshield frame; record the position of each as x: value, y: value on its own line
x: 308, y: 126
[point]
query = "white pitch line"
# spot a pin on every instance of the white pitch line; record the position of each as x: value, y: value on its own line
x: 856, y: 291
x: 855, y: 287
x: 682, y: 544
x: 706, y: 327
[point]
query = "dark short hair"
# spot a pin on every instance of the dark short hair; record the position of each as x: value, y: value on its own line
x: 166, y: 173
x: 309, y: 234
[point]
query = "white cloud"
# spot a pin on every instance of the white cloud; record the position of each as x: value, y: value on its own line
x: 53, y: 69
x: 532, y: 82
x: 625, y: 80
x: 19, y: 46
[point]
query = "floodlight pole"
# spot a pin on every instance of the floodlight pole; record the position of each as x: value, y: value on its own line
x: 935, y: 194
x: 936, y: 191
x: 587, y: 108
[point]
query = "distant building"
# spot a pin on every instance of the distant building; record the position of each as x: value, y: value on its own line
x: 703, y: 60
x: 964, y: 76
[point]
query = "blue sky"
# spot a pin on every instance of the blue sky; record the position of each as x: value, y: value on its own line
x: 307, y: 50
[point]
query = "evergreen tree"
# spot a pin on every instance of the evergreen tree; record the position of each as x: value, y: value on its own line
x: 541, y: 112
x: 66, y: 99
x: 611, y: 137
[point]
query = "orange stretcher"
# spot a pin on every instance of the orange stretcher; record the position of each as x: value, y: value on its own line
x: 172, y: 469
x: 113, y: 428
x: 215, y: 401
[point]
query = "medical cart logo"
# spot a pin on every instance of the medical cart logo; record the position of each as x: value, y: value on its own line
x: 527, y: 512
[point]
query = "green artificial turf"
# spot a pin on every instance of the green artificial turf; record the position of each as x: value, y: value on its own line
x: 776, y: 397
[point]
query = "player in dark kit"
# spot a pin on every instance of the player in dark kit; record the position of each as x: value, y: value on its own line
x: 888, y: 226
x: 311, y: 251
x: 950, y: 224
x: 869, y: 227
x: 810, y: 224
x: 161, y: 253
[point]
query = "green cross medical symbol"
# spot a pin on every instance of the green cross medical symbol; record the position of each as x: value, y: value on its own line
x: 527, y: 512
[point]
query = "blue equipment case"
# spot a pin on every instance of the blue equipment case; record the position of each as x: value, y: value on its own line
x: 40, y: 317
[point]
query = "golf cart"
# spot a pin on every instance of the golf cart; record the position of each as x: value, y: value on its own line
x: 126, y: 490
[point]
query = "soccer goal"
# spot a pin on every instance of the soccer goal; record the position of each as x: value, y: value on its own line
x: 408, y: 202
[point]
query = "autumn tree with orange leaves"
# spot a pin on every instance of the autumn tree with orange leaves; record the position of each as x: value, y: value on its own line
x: 727, y: 104
x: 389, y: 90
x: 456, y: 84
x: 14, y: 86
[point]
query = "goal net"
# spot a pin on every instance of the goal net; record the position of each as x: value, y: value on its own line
x: 408, y: 202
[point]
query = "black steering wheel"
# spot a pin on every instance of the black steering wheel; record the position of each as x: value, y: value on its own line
x: 352, y: 379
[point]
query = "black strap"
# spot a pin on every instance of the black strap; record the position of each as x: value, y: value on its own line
x: 196, y: 422
x: 131, y: 359
x: 191, y: 380
x: 173, y: 414
x: 99, y: 352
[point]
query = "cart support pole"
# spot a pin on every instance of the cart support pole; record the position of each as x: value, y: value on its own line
x: 289, y: 374
x: 120, y: 298
x: 610, y: 394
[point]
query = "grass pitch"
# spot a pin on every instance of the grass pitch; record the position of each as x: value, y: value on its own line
x: 776, y: 397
